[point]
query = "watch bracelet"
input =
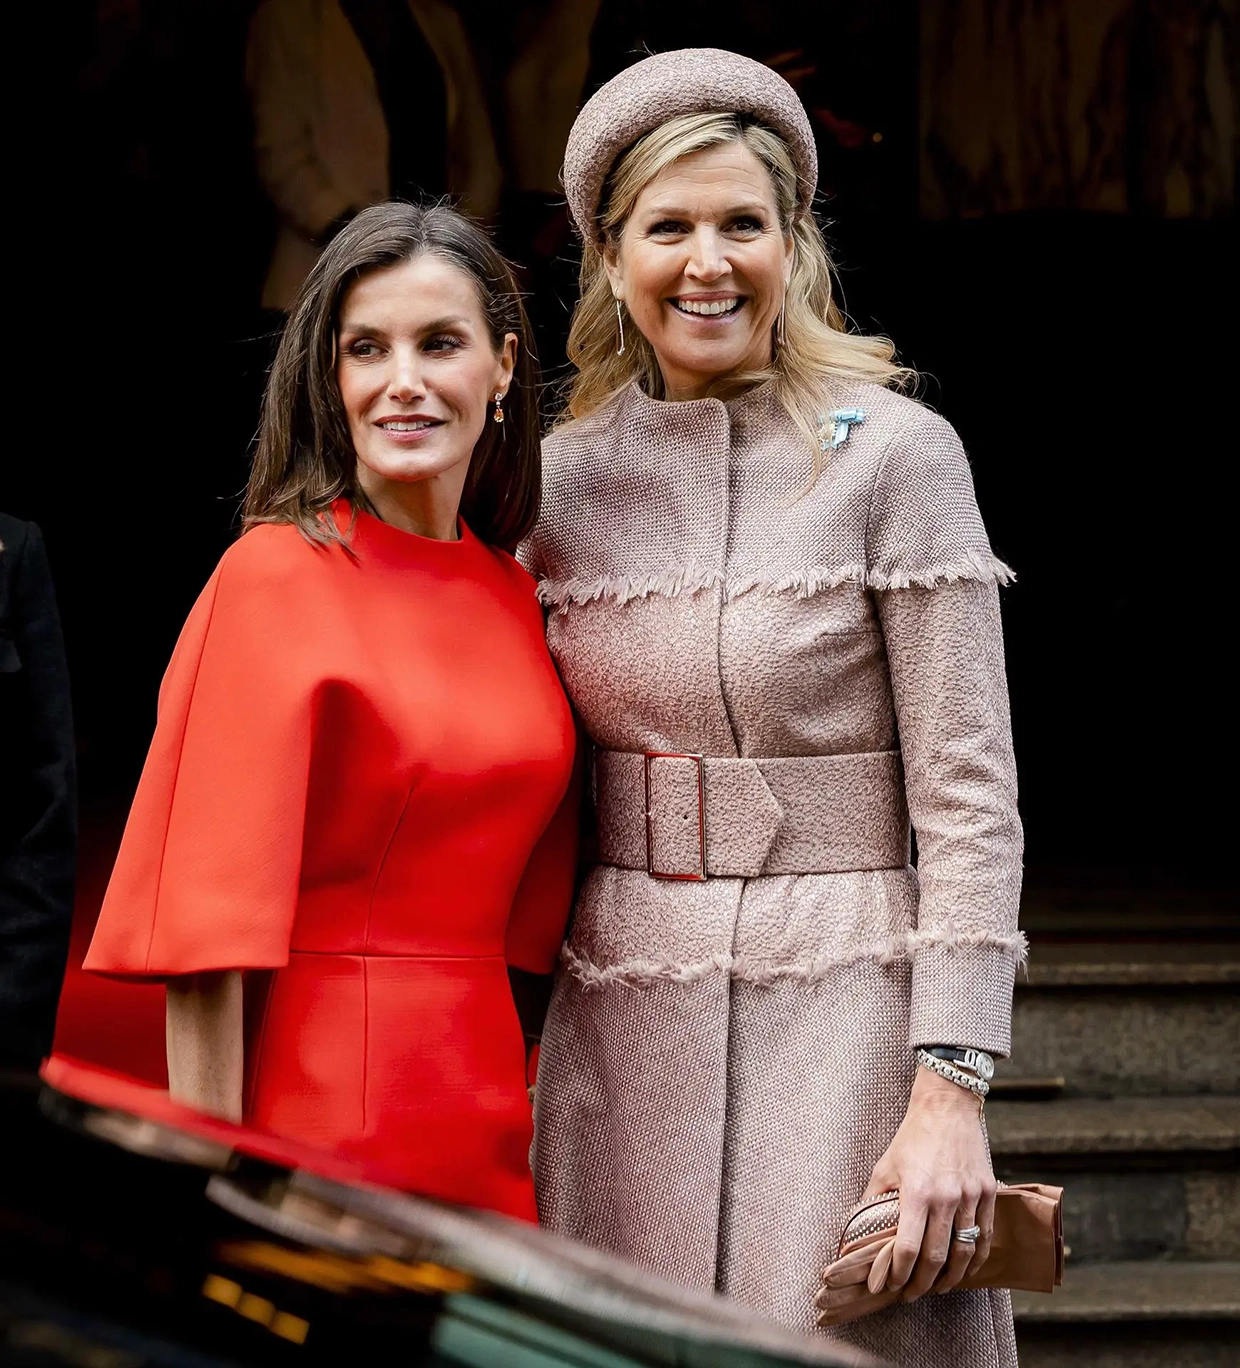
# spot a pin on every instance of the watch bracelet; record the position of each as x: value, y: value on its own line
x: 969, y: 1058
x: 977, y: 1086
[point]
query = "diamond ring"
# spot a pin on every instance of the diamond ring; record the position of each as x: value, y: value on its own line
x: 969, y: 1235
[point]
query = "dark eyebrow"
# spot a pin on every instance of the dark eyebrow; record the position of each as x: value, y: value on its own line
x: 443, y: 324
x: 439, y: 325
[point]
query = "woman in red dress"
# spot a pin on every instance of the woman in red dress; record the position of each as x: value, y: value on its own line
x: 354, y: 820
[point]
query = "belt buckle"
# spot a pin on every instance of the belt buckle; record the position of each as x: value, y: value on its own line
x: 700, y: 875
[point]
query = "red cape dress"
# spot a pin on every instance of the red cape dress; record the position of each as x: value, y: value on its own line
x: 357, y: 793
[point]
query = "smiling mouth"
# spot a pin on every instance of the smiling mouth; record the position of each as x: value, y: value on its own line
x: 708, y: 308
x: 408, y: 425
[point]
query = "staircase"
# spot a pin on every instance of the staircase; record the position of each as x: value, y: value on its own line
x: 1124, y: 1087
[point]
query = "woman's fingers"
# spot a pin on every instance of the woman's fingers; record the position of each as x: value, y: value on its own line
x: 960, y: 1253
x: 934, y: 1248
x: 986, y: 1219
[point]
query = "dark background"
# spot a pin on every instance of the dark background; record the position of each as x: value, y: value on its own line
x: 1086, y: 357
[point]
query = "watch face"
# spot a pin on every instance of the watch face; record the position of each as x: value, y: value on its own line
x: 984, y: 1064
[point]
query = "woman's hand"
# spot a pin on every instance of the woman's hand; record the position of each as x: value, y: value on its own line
x: 938, y: 1160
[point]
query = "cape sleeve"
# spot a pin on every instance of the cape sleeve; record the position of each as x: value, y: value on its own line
x: 208, y: 869
x: 936, y: 588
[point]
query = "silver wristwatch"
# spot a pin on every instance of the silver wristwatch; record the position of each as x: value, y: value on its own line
x: 976, y: 1061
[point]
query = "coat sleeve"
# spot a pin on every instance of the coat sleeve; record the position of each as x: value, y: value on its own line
x: 208, y: 870
x: 936, y: 587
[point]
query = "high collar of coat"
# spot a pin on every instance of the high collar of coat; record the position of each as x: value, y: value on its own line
x: 759, y: 401
x: 636, y: 495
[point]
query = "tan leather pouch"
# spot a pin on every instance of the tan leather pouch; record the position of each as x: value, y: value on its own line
x: 1026, y: 1251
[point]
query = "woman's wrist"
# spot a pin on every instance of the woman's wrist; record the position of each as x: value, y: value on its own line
x: 941, y: 1095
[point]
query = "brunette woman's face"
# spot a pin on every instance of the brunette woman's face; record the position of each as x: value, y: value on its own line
x: 416, y: 367
x: 702, y: 266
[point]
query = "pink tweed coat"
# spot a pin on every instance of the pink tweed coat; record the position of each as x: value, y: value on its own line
x: 725, y: 1060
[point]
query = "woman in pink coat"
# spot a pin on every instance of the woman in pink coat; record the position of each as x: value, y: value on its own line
x: 774, y: 606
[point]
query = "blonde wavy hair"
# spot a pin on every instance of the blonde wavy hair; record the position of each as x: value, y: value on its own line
x: 817, y: 345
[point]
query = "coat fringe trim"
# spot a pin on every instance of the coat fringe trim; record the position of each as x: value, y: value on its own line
x: 642, y: 973
x: 671, y: 582
x: 675, y: 580
x: 803, y: 584
x: 972, y: 565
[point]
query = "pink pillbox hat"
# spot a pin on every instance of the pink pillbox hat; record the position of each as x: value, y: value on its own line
x: 662, y: 87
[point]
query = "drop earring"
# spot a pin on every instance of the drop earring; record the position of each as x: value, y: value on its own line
x: 620, y: 321
x: 499, y: 406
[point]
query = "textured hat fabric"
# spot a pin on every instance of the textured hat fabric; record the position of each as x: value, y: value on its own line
x: 663, y: 87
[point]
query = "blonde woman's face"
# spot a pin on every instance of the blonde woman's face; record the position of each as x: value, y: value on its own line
x: 702, y: 266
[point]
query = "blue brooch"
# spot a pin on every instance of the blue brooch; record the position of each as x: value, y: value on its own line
x: 833, y: 427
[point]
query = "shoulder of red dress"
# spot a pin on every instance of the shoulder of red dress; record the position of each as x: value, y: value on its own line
x: 276, y: 554
x: 276, y: 542
x: 511, y: 568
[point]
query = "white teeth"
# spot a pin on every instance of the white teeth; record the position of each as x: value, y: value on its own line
x: 406, y: 427
x: 709, y: 307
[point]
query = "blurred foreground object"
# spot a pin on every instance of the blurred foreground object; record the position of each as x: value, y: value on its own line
x: 38, y: 816
x: 151, y: 1235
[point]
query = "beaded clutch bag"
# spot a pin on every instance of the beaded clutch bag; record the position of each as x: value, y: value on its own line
x: 1026, y: 1251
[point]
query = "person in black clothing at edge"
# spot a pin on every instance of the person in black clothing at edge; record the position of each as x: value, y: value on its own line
x: 38, y: 816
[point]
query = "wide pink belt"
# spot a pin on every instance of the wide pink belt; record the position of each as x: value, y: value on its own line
x: 680, y: 816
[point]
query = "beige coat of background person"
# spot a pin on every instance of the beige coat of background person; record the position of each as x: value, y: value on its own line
x: 319, y: 131
x: 726, y: 1062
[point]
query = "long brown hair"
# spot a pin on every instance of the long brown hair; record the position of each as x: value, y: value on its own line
x: 305, y: 459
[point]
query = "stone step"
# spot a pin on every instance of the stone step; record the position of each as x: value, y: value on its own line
x: 1174, y: 1127
x: 1142, y: 1314
x: 1140, y: 1290
x: 1143, y: 1178
x: 1131, y: 964
x: 1092, y: 904
x: 1142, y: 1018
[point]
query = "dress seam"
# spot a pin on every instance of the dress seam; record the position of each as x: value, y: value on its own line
x: 722, y: 1202
x: 383, y: 859
x: 378, y: 955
